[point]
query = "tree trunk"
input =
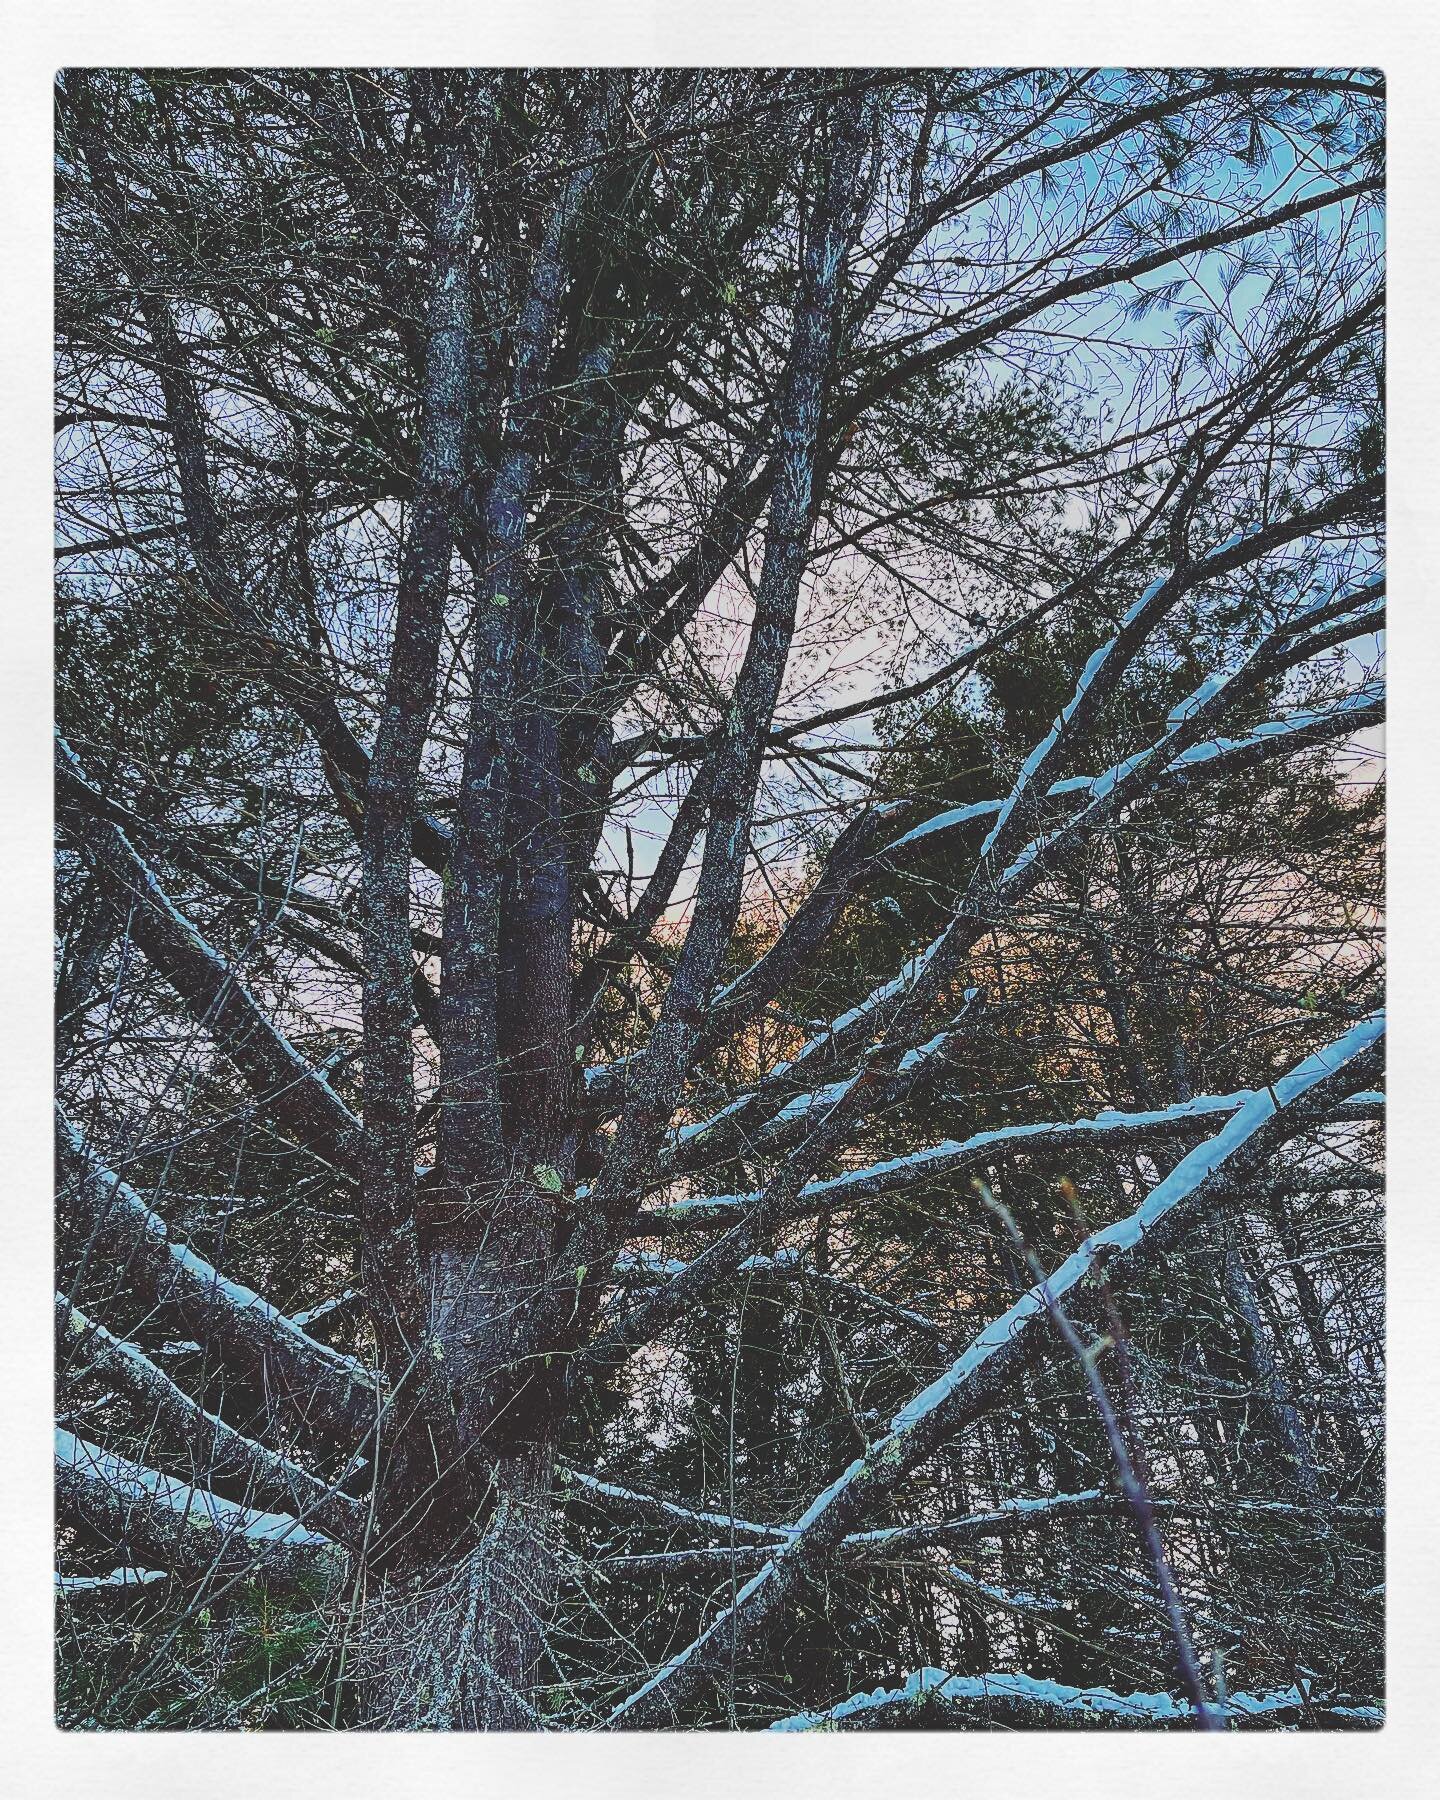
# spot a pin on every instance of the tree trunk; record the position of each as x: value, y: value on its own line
x: 1273, y: 1390
x: 457, y: 1645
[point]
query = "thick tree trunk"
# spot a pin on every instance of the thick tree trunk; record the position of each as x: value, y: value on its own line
x: 458, y: 1645
x: 464, y: 1555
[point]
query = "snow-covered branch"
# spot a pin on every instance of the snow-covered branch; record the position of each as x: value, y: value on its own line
x: 973, y: 1382
x: 697, y: 1144
x: 1007, y: 1519
x: 180, y: 1525
x: 218, y: 1449
x: 1016, y: 1702
x: 668, y: 1512
x: 340, y: 1390
x: 640, y: 1268
x: 71, y: 1587
x: 772, y: 1115
x: 1356, y: 711
x: 951, y: 1158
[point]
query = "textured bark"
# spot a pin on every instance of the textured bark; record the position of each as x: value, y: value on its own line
x: 454, y: 1633
x: 457, y: 1645
x: 387, y: 834
x: 507, y: 1066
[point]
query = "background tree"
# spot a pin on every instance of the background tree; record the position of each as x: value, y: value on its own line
x: 719, y: 838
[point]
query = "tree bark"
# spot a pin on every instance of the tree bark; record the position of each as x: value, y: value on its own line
x: 458, y: 1645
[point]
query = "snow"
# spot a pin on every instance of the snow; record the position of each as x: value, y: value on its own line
x: 782, y: 1260
x: 1022, y: 1601
x: 681, y: 1657
x: 910, y: 973
x: 823, y: 1097
x: 951, y: 1155
x: 1093, y: 787
x: 1035, y: 762
x: 788, y: 1264
x: 688, y: 1133
x: 1370, y: 694
x: 192, y: 1505
x: 235, y: 1294
x: 719, y: 1522
x: 117, y: 1578
x: 1195, y: 703
x: 144, y: 1379
x: 598, y: 1074
x: 827, y: 1039
x: 601, y: 1076
x: 1142, y: 1708
x: 1182, y: 1181
x: 303, y: 1319
x: 945, y: 821
x: 1044, y: 1503
x: 648, y: 1263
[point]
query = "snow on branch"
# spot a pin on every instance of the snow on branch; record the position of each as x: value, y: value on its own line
x: 182, y: 1526
x: 258, y: 1335
x: 1356, y: 711
x: 950, y: 1159
x: 1165, y: 758
x: 856, y: 1025
x: 667, y: 1511
x: 1131, y: 779
x: 1017, y: 1702
x: 1296, y: 730
x: 1009, y: 1517
x: 1171, y: 1201
x: 1215, y: 756
x: 1172, y: 759
x: 971, y: 1384
x: 218, y: 1448
x: 69, y: 1587
x: 207, y: 983
x: 770, y: 1115
x: 326, y: 1309
x: 1011, y: 1599
x: 642, y: 1267
x: 1357, y: 613
x: 1099, y: 677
